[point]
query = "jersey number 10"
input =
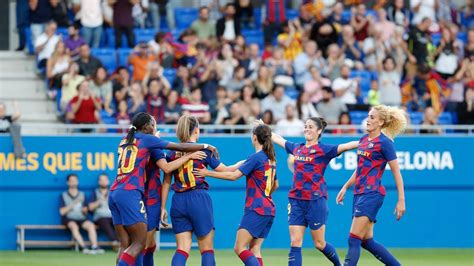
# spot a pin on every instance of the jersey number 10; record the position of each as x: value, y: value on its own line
x: 270, y: 176
x: 127, y: 166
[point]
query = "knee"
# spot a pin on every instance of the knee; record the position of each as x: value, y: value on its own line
x: 72, y: 226
x: 320, y: 244
x: 90, y: 227
x: 256, y: 251
x: 296, y: 241
x: 238, y: 249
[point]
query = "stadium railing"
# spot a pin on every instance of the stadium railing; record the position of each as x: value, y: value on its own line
x: 166, y: 130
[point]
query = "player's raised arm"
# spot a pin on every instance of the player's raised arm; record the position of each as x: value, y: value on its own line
x: 277, y: 139
x: 169, y: 167
x: 347, y: 146
x: 347, y: 185
x: 400, y: 207
x: 232, y: 176
x: 190, y: 147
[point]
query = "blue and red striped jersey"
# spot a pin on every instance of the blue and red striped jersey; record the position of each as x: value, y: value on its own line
x: 184, y: 178
x: 372, y: 157
x: 276, y: 11
x: 132, y: 160
x: 153, y: 181
x: 261, y: 175
x: 309, y: 167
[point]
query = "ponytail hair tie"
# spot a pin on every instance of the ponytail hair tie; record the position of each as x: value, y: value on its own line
x: 133, y: 127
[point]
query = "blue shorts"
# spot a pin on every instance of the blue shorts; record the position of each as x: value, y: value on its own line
x: 192, y: 211
x: 127, y: 207
x: 257, y: 225
x: 312, y: 213
x: 153, y: 214
x: 367, y: 205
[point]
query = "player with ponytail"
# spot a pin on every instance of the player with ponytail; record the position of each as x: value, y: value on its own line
x: 260, y: 169
x: 307, y: 205
x: 126, y: 197
x: 375, y: 150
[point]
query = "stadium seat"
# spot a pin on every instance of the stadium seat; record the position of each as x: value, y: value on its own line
x: 291, y: 14
x: 144, y: 35
x: 416, y: 118
x: 257, y: 14
x: 435, y: 38
x: 170, y: 74
x: 365, y: 79
x: 184, y: 17
x: 462, y: 35
x: 346, y: 16
x: 357, y: 117
x: 292, y: 92
x: 110, y: 39
x: 445, y: 118
x: 62, y: 32
x: 107, y: 56
x: 253, y: 36
x: 122, y: 56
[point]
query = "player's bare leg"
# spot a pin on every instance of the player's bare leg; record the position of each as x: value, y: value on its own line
x: 183, y: 246
x: 256, y: 248
x: 123, y: 238
x: 320, y: 243
x: 206, y: 247
x: 92, y: 233
x: 137, y: 236
x: 242, y: 242
x: 150, y: 239
x: 296, y: 236
x: 150, y: 247
x: 75, y: 233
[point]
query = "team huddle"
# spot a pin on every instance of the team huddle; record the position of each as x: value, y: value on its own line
x: 138, y: 196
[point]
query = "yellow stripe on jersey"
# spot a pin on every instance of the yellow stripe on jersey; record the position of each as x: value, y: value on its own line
x: 192, y: 179
x: 270, y: 175
x: 181, y: 176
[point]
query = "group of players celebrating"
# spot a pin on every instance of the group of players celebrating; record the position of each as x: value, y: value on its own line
x: 138, y: 196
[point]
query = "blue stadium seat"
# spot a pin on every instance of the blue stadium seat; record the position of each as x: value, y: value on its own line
x: 292, y: 92
x: 170, y: 74
x: 357, y: 117
x: 435, y: 38
x: 184, y: 17
x: 346, y: 16
x: 416, y: 118
x: 107, y: 56
x: 462, y: 35
x: 144, y: 35
x: 292, y: 14
x: 254, y: 36
x: 257, y: 14
x: 110, y: 39
x: 122, y: 56
x: 445, y: 118
x: 365, y: 79
x: 62, y: 32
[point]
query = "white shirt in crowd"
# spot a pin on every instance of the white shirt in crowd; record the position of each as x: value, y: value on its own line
x: 389, y: 84
x: 90, y: 13
x: 48, y: 49
x: 349, y: 97
x: 427, y: 9
x: 308, y: 110
x: 229, y: 32
x: 287, y: 127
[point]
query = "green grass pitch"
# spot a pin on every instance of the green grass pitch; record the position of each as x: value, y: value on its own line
x: 275, y: 257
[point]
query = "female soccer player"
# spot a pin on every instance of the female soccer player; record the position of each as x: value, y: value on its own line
x: 191, y: 207
x: 375, y: 150
x: 308, y: 195
x: 125, y: 198
x: 260, y: 169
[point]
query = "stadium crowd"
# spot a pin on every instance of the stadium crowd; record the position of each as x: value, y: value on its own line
x: 230, y: 63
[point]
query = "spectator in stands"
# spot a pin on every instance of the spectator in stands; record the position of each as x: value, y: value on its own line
x: 155, y: 99
x: 183, y: 83
x: 74, y: 41
x: 446, y: 59
x: 430, y: 118
x: 136, y: 101
x: 373, y: 96
x: 360, y: 22
x: 346, y: 88
x: 84, y: 107
x: 291, y: 39
x: 91, y: 19
x: 228, y: 27
x: 57, y: 65
x: 107, y: 14
x: 70, y: 82
x: 291, y: 125
x: 313, y: 87
x: 169, y: 7
x: 122, y: 116
x: 235, y: 118
x: 155, y: 71
x: 60, y: 12
x: 389, y: 76
x: 250, y: 104
x: 334, y: 61
x: 172, y: 108
x: 123, y: 21
x: 203, y: 26
x: 398, y: 14
x: 237, y: 82
x: 267, y: 117
x: 305, y: 18
x: 99, y: 206
x: 304, y: 107
x: 121, y: 85
x: 141, y: 59
x: 344, y: 120
x: 88, y: 64
x: 196, y: 107
x: 139, y: 13
x: 9, y: 123
x: 423, y: 9
x: 417, y: 46
x: 274, y: 14
x: 244, y: 11
x: 324, y: 33
x: 329, y: 107
x: 215, y: 7
x: 469, y: 46
x: 336, y: 18
x: 41, y: 13
x: 278, y: 65
x: 162, y: 49
x: 465, y: 110
x: 209, y: 82
x: 219, y: 110
x: 304, y: 61
x: 73, y: 211
x: 277, y: 102
x: 101, y: 87
x: 467, y: 11
x: 226, y: 64
x: 22, y: 22
x: 373, y: 47
x: 263, y: 83
x: 386, y: 27
x: 350, y: 47
x: 45, y: 44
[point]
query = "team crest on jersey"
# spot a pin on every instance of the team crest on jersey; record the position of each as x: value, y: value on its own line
x: 312, y: 151
x: 371, y: 145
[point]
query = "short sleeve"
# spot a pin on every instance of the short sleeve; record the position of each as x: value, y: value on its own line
x: 153, y: 142
x: 249, y: 165
x: 388, y: 150
x: 291, y: 146
x: 330, y: 150
x: 156, y: 155
x: 211, y: 159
